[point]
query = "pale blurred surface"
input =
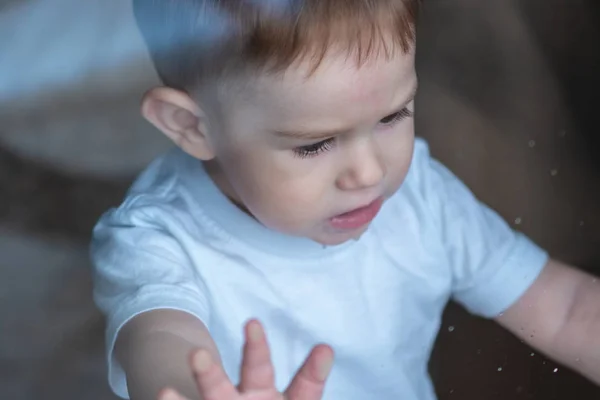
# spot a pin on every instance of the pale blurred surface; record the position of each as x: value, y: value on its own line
x: 508, y: 98
x: 71, y: 77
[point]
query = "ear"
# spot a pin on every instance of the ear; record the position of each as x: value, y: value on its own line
x: 180, y: 119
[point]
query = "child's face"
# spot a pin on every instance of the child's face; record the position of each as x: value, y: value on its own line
x: 299, y: 152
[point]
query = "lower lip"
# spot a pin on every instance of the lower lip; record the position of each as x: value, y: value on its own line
x: 357, y: 218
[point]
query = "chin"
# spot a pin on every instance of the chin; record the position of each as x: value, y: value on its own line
x: 332, y: 241
x: 337, y: 238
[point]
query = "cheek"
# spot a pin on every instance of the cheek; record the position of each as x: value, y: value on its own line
x: 275, y: 190
x: 285, y: 206
x: 397, y: 149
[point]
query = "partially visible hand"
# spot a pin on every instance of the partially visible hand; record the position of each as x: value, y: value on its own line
x: 257, y: 375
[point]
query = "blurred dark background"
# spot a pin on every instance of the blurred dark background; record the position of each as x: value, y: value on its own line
x: 508, y: 100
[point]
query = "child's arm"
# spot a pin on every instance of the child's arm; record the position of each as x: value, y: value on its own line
x: 560, y: 315
x: 154, y: 349
x: 160, y: 349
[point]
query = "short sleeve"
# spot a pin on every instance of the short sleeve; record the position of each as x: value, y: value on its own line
x: 491, y: 265
x: 139, y: 266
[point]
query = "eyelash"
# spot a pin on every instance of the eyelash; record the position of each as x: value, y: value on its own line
x: 397, y: 117
x: 312, y: 150
x: 315, y: 149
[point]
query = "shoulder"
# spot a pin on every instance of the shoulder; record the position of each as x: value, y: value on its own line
x: 431, y: 185
x: 162, y: 182
x: 425, y: 171
x: 419, y: 186
x: 409, y: 211
x: 159, y: 201
x: 429, y: 196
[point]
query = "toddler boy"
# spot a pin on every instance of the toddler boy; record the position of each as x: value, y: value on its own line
x: 298, y: 196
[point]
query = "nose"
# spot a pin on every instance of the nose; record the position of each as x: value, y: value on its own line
x: 364, y: 166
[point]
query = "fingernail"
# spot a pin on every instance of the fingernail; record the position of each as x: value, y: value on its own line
x: 325, y: 369
x: 202, y: 361
x: 169, y: 395
x: 254, y: 331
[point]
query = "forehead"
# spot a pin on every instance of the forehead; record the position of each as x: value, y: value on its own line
x: 337, y: 89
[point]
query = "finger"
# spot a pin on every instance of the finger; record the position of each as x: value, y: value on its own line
x: 170, y: 394
x: 257, y: 369
x: 309, y: 382
x: 211, y: 380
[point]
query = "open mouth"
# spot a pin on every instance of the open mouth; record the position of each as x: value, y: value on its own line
x: 357, y: 218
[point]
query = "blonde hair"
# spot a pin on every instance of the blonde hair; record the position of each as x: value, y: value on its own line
x: 193, y: 42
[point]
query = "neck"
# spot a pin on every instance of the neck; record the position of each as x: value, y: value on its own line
x: 215, y: 172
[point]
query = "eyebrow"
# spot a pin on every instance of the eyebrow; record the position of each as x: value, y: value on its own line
x: 300, y: 134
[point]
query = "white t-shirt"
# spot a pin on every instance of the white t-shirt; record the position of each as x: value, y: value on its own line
x: 177, y: 242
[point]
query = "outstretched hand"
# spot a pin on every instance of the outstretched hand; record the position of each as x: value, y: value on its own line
x: 257, y: 375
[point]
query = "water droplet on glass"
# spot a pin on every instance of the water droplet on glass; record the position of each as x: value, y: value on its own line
x: 451, y: 329
x: 532, y: 354
x: 518, y: 221
x: 478, y: 351
x: 594, y: 280
x: 499, y: 369
x: 519, y: 389
x: 451, y: 391
x: 553, y: 172
x: 531, y: 143
x: 555, y: 370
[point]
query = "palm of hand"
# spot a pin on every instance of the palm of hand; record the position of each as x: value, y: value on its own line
x: 257, y: 374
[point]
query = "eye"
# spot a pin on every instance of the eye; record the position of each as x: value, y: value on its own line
x: 397, y: 117
x: 314, y: 149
